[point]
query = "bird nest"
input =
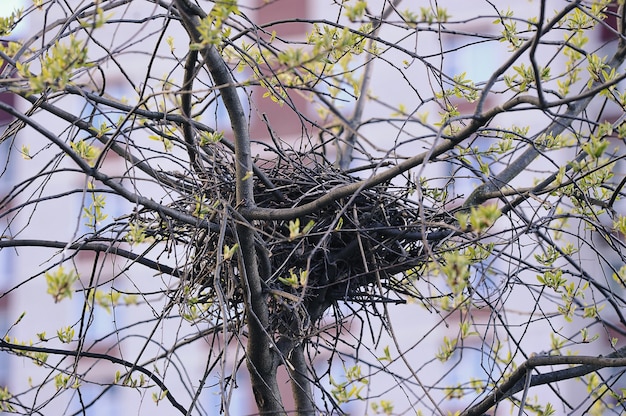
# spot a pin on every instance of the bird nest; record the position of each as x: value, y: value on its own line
x: 361, y: 248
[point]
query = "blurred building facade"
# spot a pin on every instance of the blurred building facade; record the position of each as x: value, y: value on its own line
x: 17, y: 265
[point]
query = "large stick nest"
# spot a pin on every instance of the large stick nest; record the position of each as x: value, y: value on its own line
x: 364, y: 248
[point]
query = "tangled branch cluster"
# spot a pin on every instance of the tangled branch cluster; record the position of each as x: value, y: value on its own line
x: 364, y: 248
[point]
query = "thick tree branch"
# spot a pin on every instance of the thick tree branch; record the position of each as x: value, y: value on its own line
x: 515, y: 382
x: 296, y: 364
x: 261, y: 361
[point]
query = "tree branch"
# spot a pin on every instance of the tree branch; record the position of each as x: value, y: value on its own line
x: 95, y: 247
x: 7, y: 346
x: 515, y: 382
x: 556, y: 127
x: 300, y: 382
x: 260, y: 358
x: 185, y: 103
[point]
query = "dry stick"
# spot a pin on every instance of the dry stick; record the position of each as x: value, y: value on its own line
x: 390, y: 331
x: 528, y: 379
x: 219, y: 293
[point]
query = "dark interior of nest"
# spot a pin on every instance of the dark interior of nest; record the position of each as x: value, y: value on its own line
x: 352, y: 249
